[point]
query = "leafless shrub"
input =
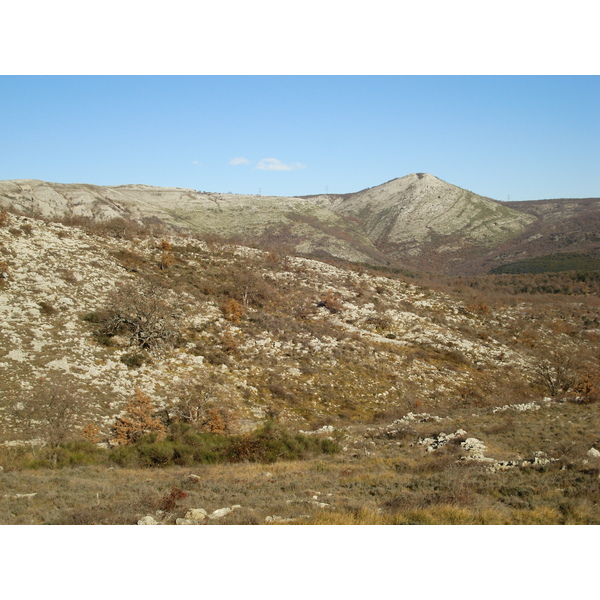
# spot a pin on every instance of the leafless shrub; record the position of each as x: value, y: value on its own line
x: 556, y: 373
x: 203, y: 404
x: 141, y: 312
x: 49, y: 412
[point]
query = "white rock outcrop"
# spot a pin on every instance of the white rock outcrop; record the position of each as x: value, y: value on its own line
x: 196, y: 514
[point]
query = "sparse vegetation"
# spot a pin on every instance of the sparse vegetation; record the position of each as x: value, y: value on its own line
x: 238, y: 352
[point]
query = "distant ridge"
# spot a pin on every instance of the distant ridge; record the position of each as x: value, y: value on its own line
x: 418, y: 221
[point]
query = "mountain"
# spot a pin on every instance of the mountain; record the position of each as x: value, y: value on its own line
x: 563, y: 227
x: 416, y: 222
x: 424, y: 222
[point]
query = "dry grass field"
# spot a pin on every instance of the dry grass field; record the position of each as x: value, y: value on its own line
x: 383, y: 476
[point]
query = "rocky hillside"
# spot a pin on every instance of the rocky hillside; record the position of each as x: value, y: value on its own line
x: 257, y: 334
x: 417, y: 222
x: 423, y: 222
x: 403, y: 403
x: 297, y: 222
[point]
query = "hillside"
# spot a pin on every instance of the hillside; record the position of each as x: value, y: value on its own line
x: 423, y: 222
x: 225, y: 339
x: 566, y: 226
x: 263, y: 220
x: 417, y: 222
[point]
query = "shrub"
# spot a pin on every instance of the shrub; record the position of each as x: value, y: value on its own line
x: 171, y: 500
x: 232, y: 310
x: 5, y: 218
x: 47, y: 308
x: 271, y: 443
x: 49, y: 411
x: 137, y: 421
x: 167, y: 258
x: 140, y: 312
x: 134, y: 360
x: 91, y: 433
x: 331, y: 302
x: 92, y: 317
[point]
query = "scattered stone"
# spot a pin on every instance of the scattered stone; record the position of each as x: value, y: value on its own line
x: 324, y: 429
x: 278, y: 519
x: 20, y: 495
x: 194, y: 478
x: 593, y: 453
x: 518, y: 407
x: 196, y: 514
x: 186, y: 522
x: 475, y: 449
x: 222, y: 512
x: 441, y: 440
x: 147, y: 520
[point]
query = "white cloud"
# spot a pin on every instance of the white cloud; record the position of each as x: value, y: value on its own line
x: 274, y: 164
x: 239, y: 160
x: 196, y: 163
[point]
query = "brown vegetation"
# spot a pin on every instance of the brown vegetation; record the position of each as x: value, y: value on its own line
x: 383, y: 347
x: 138, y: 420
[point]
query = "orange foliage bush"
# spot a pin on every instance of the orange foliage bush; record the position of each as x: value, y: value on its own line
x: 4, y: 218
x: 331, y: 302
x: 233, y: 311
x: 138, y: 419
x: 167, y: 258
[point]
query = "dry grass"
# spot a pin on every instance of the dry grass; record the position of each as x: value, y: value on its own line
x: 393, y: 482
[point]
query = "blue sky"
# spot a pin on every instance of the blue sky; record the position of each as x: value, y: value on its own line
x: 527, y: 137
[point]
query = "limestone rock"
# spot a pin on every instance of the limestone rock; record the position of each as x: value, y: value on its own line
x: 196, y: 514
x: 219, y: 513
x: 147, y: 520
x: 278, y: 519
x: 186, y: 522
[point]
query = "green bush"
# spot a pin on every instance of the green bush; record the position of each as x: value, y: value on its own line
x: 271, y: 443
x: 184, y: 446
x: 134, y: 360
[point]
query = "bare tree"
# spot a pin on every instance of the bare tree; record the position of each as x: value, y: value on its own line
x: 557, y: 373
x: 49, y: 412
x: 141, y: 312
x: 200, y: 404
